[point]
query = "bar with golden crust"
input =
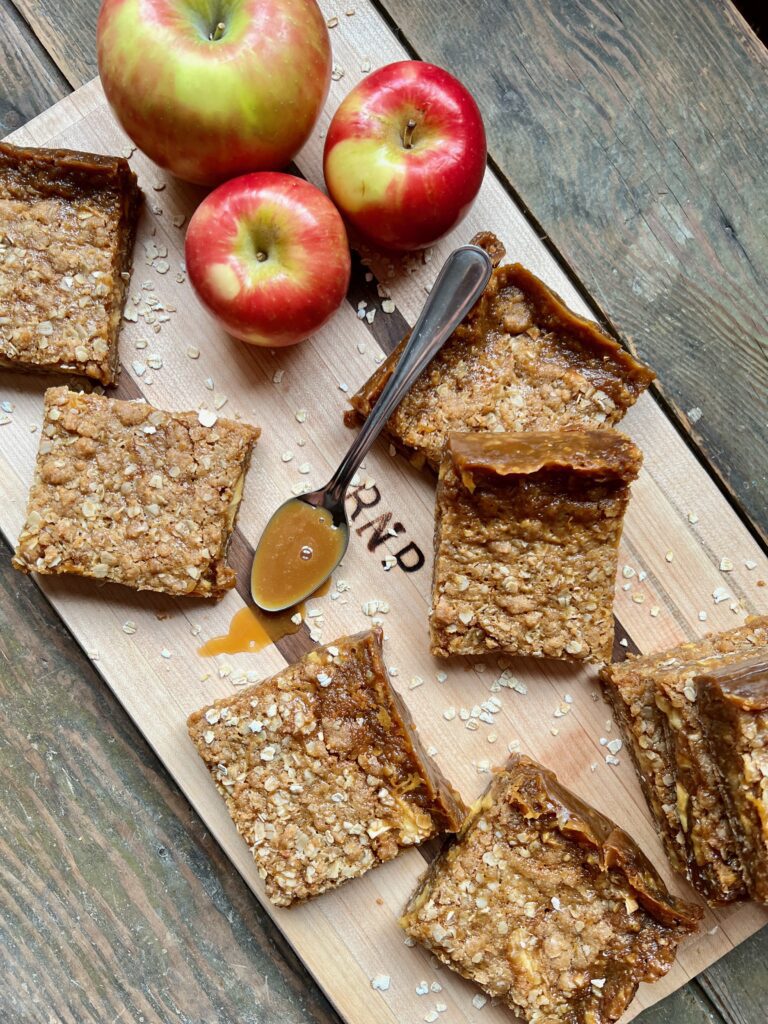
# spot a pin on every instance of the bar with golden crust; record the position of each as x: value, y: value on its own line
x: 322, y: 770
x: 67, y: 228
x: 733, y: 705
x: 547, y: 905
x: 654, y: 700
x: 520, y: 360
x: 135, y: 495
x: 526, y: 542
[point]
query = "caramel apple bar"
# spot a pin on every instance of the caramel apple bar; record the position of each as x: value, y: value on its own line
x: 67, y: 227
x: 733, y: 704
x: 655, y: 703
x: 321, y: 770
x: 128, y: 493
x: 547, y: 905
x: 526, y: 542
x: 521, y: 360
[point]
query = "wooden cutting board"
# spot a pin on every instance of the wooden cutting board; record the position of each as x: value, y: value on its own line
x: 678, y: 533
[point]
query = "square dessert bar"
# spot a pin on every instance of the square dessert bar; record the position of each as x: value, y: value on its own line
x: 526, y: 542
x: 520, y: 360
x: 547, y: 905
x: 733, y: 703
x: 67, y: 227
x: 321, y: 770
x: 655, y: 703
x: 132, y: 494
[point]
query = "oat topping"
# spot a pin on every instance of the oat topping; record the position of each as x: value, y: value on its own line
x: 547, y: 905
x: 526, y: 541
x: 67, y: 225
x: 128, y: 493
x: 322, y: 771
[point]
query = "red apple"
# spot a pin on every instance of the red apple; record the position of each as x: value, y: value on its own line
x: 405, y: 155
x: 268, y: 255
x: 211, y: 90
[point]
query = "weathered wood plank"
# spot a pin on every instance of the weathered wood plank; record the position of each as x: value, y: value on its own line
x: 30, y: 80
x: 68, y: 33
x: 738, y: 985
x: 114, y: 898
x: 636, y: 131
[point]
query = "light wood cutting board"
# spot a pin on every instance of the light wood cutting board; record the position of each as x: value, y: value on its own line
x: 349, y: 937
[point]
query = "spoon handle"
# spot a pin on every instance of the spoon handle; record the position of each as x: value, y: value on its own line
x: 459, y: 285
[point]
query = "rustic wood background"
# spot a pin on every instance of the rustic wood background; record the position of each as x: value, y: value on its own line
x: 659, y: 158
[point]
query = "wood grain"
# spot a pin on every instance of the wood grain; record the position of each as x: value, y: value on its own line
x: 115, y: 901
x: 30, y: 80
x: 636, y: 131
x: 159, y: 692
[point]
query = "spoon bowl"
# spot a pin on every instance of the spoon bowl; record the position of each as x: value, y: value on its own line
x: 307, y: 536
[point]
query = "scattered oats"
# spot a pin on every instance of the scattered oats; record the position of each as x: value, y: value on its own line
x: 370, y: 316
x: 614, y: 746
x: 693, y: 518
x: 408, y: 941
x: 624, y: 642
x: 361, y: 347
x: 350, y: 13
x: 726, y: 565
x: 449, y: 714
x: 627, y: 572
x: 6, y: 406
x: 441, y: 1007
x: 178, y: 220
x: 277, y: 376
x: 394, y: 670
x: 332, y: 22
x: 337, y: 73
x: 610, y: 759
x: 323, y: 679
x: 638, y: 598
x: 296, y: 619
x: 432, y: 751
x: 416, y: 682
x: 603, y: 741
x: 479, y: 1001
x: 389, y: 563
x: 155, y: 362
x: 195, y: 629
x: 162, y: 266
x: 375, y: 607
x: 387, y: 306
x: 568, y: 698
x: 431, y: 1017
x: 301, y: 415
x: 139, y: 368
x: 422, y: 988
x: 365, y: 66
x: 209, y: 736
x: 720, y: 594
x: 484, y: 766
x: 344, y: 387
x: 219, y: 401
x: 492, y: 737
x: 669, y: 556
x: 165, y: 653
x: 441, y: 677
x: 749, y: 564
x: 206, y: 417
x: 5, y: 420
x: 209, y: 383
x: 626, y: 586
x: 304, y: 468
x: 642, y: 575
x: 193, y: 353
x: 694, y: 414
x: 158, y: 186
x: 655, y: 611
x: 702, y: 616
x: 129, y: 627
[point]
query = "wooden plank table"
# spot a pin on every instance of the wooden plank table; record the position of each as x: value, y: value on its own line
x: 115, y: 912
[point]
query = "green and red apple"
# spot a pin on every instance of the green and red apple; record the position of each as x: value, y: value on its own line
x: 405, y: 155
x: 210, y: 89
x: 268, y: 256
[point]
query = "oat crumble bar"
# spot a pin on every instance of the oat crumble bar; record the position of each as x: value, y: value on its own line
x: 526, y: 542
x: 654, y: 702
x: 733, y: 701
x: 521, y: 360
x: 67, y: 227
x: 547, y: 905
x: 128, y: 493
x: 322, y: 771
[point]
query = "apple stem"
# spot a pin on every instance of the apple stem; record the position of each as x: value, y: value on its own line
x: 261, y: 256
x: 217, y: 33
x: 408, y: 133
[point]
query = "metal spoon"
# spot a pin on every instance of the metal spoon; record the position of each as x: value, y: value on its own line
x: 459, y: 284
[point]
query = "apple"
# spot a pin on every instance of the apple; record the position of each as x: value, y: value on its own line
x: 405, y: 155
x: 210, y: 90
x: 267, y: 254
